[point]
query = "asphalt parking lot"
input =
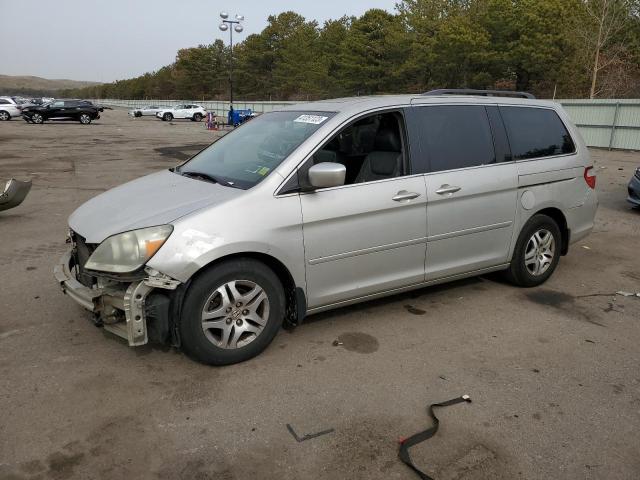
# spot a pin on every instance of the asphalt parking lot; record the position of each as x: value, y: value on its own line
x: 554, y: 372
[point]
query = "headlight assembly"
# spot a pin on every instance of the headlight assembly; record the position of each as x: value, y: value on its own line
x: 128, y: 251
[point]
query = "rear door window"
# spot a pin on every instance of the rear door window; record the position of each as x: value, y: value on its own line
x: 455, y: 136
x: 535, y: 132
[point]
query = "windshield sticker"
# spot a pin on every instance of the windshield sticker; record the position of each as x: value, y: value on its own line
x: 260, y: 170
x: 313, y: 119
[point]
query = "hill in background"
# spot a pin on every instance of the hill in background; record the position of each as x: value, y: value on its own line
x: 37, y: 86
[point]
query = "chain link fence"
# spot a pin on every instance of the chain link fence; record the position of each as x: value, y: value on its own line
x: 602, y: 123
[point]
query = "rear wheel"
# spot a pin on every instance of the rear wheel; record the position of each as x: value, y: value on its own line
x: 4, y: 116
x: 85, y: 118
x: 37, y: 118
x: 232, y: 312
x: 537, y: 252
x: 167, y: 117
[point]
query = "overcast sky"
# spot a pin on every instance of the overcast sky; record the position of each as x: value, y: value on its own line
x: 105, y: 40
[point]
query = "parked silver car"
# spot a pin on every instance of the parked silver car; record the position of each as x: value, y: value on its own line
x: 326, y: 204
x: 9, y: 108
x: 149, y: 110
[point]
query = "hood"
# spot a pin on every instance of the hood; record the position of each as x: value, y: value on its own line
x: 157, y: 199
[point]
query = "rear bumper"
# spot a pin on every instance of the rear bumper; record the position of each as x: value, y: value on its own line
x: 120, y: 307
x: 634, y: 192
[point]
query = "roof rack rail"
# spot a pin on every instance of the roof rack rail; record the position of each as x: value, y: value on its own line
x: 484, y: 93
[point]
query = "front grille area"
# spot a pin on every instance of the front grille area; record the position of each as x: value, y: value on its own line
x: 81, y: 252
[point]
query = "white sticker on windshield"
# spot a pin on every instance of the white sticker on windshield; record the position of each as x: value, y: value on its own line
x: 314, y: 119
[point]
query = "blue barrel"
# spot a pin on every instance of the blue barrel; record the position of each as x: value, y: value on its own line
x: 237, y: 117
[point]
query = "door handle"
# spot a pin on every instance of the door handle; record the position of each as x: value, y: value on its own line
x: 403, y: 195
x: 447, y: 189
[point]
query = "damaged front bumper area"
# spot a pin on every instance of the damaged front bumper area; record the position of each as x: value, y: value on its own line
x: 137, y: 309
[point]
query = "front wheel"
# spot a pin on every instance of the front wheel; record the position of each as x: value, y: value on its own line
x: 537, y: 252
x: 197, y: 117
x: 37, y: 118
x: 167, y: 117
x: 85, y: 119
x: 232, y: 312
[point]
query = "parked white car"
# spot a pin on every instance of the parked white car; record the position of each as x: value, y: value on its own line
x: 9, y: 108
x: 149, y: 110
x: 191, y: 111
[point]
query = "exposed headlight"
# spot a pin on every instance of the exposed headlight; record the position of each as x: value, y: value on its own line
x: 128, y: 251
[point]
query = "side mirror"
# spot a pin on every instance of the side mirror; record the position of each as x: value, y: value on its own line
x: 327, y: 174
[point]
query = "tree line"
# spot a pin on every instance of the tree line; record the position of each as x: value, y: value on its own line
x: 553, y: 48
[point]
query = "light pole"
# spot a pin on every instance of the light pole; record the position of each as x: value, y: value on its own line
x: 231, y: 25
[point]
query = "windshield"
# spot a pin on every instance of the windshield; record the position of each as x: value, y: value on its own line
x: 245, y: 156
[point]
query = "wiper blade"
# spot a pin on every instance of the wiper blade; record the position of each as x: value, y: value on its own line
x: 204, y: 176
x: 200, y: 175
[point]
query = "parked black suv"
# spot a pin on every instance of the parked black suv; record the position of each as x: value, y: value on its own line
x: 80, y: 110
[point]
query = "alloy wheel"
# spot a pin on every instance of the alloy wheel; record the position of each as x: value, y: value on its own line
x: 4, y: 116
x: 235, y: 314
x: 37, y: 118
x: 540, y: 252
x: 85, y: 119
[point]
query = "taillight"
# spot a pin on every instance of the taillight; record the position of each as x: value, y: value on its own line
x: 589, y: 178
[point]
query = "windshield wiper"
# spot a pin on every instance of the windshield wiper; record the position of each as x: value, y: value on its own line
x: 204, y: 176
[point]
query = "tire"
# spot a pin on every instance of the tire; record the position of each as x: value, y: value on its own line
x: 197, y: 117
x: 84, y: 118
x: 37, y: 118
x: 137, y: 114
x: 4, y: 116
x: 253, y: 325
x: 537, y: 252
x: 167, y: 117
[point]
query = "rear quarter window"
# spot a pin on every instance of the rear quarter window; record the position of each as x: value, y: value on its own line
x: 536, y: 132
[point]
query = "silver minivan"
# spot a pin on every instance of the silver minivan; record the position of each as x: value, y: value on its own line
x: 326, y: 204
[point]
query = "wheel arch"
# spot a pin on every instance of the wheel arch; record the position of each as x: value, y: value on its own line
x: 560, y: 219
x: 295, y: 296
